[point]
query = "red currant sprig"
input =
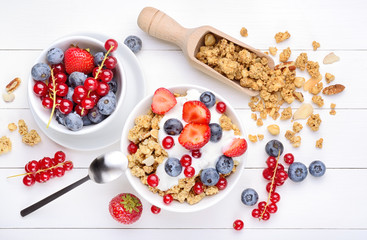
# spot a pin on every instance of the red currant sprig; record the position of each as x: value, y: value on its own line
x: 52, y: 96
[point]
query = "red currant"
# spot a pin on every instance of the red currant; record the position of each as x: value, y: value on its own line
x: 271, y: 162
x: 28, y: 180
x: 261, y: 206
x: 93, y: 95
x: 155, y: 209
x: 132, y: 148
x: 109, y: 43
x: 256, y: 213
x: 221, y: 107
x: 289, y: 158
x: 274, y: 197
x: 281, y: 175
x: 59, y: 171
x: 80, y: 110
x: 189, y: 171
x: 58, y: 101
x: 196, y: 153
x: 88, y: 103
x: 44, y: 176
x: 45, y: 163
x: 167, y: 199
x: 32, y: 166
x: 280, y: 167
x: 186, y: 160
x: 272, y: 208
x: 61, y: 77
x: 58, y: 68
x: 66, y: 106
x: 278, y: 182
x: 51, y: 173
x: 59, y: 157
x: 37, y: 177
x: 267, y: 173
x: 265, y: 216
x: 110, y: 62
x: 95, y: 71
x: 153, y: 180
x: 40, y: 89
x: 198, y: 188
x: 80, y: 92
x: 47, y: 102
x: 106, y: 75
x: 103, y: 89
x: 268, y: 187
x: 222, y: 183
x: 90, y: 84
x: 238, y: 224
x: 68, y: 165
x: 168, y: 142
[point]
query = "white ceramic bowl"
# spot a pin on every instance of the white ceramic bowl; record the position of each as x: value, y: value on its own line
x: 141, y: 109
x: 43, y: 114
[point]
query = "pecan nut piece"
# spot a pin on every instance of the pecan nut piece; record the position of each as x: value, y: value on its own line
x: 14, y: 84
x: 333, y: 89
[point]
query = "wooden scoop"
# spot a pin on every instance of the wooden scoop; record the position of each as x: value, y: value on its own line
x: 160, y: 25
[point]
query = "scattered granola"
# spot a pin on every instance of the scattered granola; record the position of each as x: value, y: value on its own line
x: 329, y: 77
x: 280, y: 37
x: 332, y: 105
x: 298, y: 96
x: 297, y: 127
x: 313, y: 69
x: 284, y: 56
x: 31, y: 138
x: 315, y: 45
x: 254, y: 116
x: 318, y: 100
x: 5, y: 145
x: 259, y: 122
x: 319, y: 143
x: 286, y: 114
x: 252, y: 138
x: 244, y: 32
x: 314, y: 122
x: 260, y: 136
x: 23, y: 128
x: 294, y: 140
x: 332, y: 111
x: 273, y: 129
x: 273, y: 51
x: 209, y: 40
x: 301, y: 61
x: 333, y: 89
x: 12, y: 127
x: 299, y: 81
x: 316, y: 89
x: 311, y: 82
x: 14, y: 84
x: 331, y: 58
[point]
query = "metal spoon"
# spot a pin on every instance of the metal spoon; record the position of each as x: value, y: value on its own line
x: 103, y: 169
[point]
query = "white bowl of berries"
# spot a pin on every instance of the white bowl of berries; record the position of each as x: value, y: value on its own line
x: 76, y: 86
x: 185, y: 147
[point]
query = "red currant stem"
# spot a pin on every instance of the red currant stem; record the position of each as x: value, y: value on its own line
x: 40, y: 170
x: 271, y: 187
x: 53, y: 97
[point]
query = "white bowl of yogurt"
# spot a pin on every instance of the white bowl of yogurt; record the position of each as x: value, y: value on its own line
x: 208, y: 157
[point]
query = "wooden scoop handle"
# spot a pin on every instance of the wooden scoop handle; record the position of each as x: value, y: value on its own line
x: 162, y: 26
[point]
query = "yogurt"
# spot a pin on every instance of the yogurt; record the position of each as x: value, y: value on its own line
x: 209, y: 153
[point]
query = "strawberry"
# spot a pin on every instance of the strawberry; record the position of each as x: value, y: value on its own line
x: 237, y: 148
x: 163, y: 101
x: 78, y: 60
x: 194, y: 136
x: 195, y: 112
x: 126, y: 208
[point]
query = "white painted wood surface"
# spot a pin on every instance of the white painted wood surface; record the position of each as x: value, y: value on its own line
x: 329, y: 207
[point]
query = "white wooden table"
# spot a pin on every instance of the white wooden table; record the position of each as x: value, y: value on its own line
x: 329, y: 207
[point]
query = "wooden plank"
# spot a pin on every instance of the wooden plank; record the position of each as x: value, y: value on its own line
x: 334, y: 201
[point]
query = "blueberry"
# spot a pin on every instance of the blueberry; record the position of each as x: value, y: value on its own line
x: 95, y: 116
x: 173, y: 126
x: 297, y: 172
x: 113, y: 85
x: 98, y: 58
x: 41, y: 72
x: 224, y: 164
x: 111, y: 94
x: 86, y: 121
x: 106, y: 105
x: 134, y: 43
x: 76, y: 79
x: 215, y: 132
x: 209, y: 176
x: 273, y: 147
x: 55, y: 56
x: 249, y: 197
x: 60, y: 117
x: 173, y: 167
x: 69, y: 95
x: 317, y: 168
x: 73, y: 122
x: 208, y: 98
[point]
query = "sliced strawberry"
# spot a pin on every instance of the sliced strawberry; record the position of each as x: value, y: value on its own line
x: 237, y: 148
x: 163, y: 101
x: 194, y: 136
x: 195, y: 112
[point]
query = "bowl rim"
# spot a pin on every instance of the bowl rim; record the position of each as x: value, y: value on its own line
x: 144, y: 191
x: 32, y: 98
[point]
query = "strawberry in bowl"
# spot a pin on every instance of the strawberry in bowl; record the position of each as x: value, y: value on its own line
x: 184, y: 148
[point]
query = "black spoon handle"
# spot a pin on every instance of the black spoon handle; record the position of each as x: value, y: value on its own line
x: 52, y: 197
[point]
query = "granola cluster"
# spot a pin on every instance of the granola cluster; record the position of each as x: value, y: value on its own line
x: 150, y: 154
x: 5, y: 145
